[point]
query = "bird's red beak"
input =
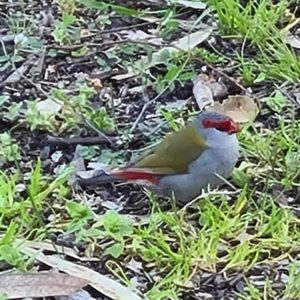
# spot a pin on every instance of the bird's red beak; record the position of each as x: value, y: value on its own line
x: 233, y: 127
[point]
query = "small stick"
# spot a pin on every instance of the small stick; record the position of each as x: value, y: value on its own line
x: 113, y: 30
x: 85, y: 141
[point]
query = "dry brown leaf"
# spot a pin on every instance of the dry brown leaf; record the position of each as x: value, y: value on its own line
x: 241, y: 109
x: 37, y: 285
x: 101, y: 283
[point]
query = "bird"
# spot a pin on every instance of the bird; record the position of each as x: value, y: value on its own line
x: 185, y: 162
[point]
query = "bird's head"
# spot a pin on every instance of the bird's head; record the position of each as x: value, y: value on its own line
x: 217, y: 121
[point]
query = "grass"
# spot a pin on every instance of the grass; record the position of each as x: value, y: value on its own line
x: 261, y: 23
x: 232, y: 231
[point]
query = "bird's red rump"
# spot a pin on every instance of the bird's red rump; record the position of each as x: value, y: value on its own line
x: 131, y: 174
x: 227, y: 125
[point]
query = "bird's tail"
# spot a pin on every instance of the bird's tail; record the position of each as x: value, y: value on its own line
x: 98, y: 178
x: 126, y: 174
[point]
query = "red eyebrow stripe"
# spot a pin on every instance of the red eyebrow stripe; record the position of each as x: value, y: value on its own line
x: 225, y: 125
x: 212, y: 123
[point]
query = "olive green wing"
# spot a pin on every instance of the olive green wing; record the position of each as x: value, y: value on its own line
x: 175, y: 153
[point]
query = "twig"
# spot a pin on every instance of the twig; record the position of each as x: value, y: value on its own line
x: 85, y: 141
x: 221, y: 72
x: 154, y: 99
x: 113, y: 30
x: 286, y: 94
x: 161, y: 124
x: 144, y: 109
x: 164, y: 123
x: 102, y: 45
x: 37, y: 86
x: 225, y: 75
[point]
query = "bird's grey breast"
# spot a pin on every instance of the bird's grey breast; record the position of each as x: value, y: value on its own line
x: 220, y: 158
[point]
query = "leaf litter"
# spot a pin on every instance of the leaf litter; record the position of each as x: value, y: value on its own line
x: 59, y: 68
x: 101, y: 283
x: 241, y: 108
x: 39, y: 284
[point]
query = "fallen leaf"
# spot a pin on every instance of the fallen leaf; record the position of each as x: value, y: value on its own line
x: 192, y: 4
x: 48, y: 107
x: 97, y: 169
x: 111, y: 205
x: 8, y: 38
x: 143, y: 36
x: 192, y: 40
x: 17, y: 74
x: 154, y: 2
x: 186, y: 43
x: 78, y: 295
x: 288, y: 38
x: 136, y: 89
x: 39, y: 285
x: 183, y: 24
x: 241, y: 109
x: 101, y: 283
